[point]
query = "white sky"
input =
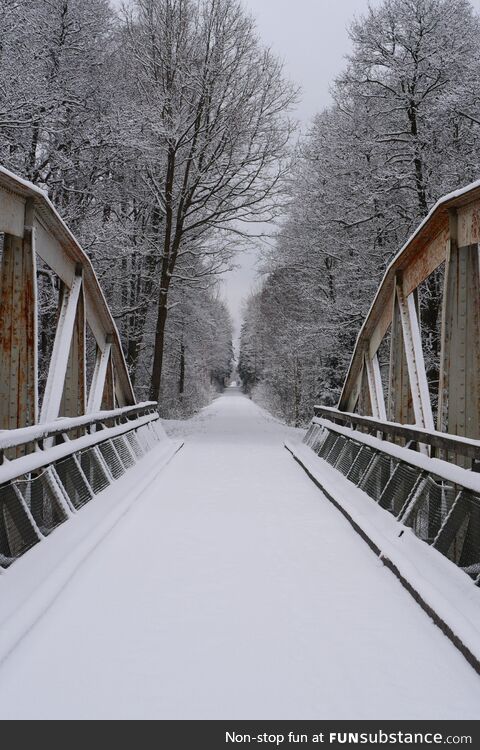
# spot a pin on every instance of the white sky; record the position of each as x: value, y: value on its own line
x: 310, y: 36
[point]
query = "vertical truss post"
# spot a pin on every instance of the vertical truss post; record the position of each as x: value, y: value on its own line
x: 108, y: 396
x: 354, y: 394
x: 18, y: 328
x: 73, y: 400
x: 399, y: 394
x: 365, y: 405
x: 459, y: 388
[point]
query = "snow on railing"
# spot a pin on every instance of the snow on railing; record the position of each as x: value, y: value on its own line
x: 438, y: 500
x: 64, y: 425
x: 60, y: 470
x: 412, y: 435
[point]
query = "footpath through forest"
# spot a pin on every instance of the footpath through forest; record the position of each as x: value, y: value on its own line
x: 234, y: 589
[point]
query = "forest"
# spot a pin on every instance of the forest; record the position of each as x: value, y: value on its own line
x: 159, y: 131
x: 164, y: 134
x: 403, y: 129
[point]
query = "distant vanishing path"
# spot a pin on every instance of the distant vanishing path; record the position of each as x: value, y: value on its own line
x: 234, y: 589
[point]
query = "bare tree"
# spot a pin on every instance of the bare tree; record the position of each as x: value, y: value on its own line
x: 402, y: 131
x: 217, y: 133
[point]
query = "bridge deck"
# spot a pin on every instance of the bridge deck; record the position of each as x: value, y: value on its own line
x: 233, y: 589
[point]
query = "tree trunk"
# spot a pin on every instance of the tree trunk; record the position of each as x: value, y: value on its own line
x: 32, y: 157
x: 181, y: 381
x: 159, y: 345
x: 168, y: 263
x: 296, y: 392
x: 417, y: 161
x: 141, y: 289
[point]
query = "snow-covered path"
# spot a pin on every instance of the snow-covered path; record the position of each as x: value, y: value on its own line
x: 233, y: 589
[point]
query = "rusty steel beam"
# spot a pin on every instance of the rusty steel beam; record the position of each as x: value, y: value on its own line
x: 400, y: 402
x: 459, y: 390
x: 108, y: 395
x: 74, y: 389
x: 18, y: 328
x: 364, y: 403
x: 422, y: 407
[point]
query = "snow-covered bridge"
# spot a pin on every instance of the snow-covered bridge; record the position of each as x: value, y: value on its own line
x: 219, y: 580
x: 229, y: 588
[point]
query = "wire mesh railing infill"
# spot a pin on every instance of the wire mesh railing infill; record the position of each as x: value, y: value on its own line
x: 441, y: 512
x: 83, y: 458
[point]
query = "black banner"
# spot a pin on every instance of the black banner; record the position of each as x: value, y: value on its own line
x: 223, y: 735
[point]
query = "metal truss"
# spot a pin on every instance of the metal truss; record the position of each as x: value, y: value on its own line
x: 32, y: 231
x: 449, y: 235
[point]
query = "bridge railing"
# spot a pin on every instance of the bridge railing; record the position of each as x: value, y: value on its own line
x: 439, y: 444
x: 69, y: 421
x: 382, y: 436
x: 35, y: 436
x: 438, y: 500
x: 67, y: 464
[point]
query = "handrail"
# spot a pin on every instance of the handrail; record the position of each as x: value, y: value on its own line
x: 411, y: 433
x: 455, y: 475
x: 35, y: 433
x: 40, y: 459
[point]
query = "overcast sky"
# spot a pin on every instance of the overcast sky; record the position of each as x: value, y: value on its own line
x: 310, y: 36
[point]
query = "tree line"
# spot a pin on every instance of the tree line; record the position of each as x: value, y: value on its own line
x: 160, y: 133
x: 402, y: 130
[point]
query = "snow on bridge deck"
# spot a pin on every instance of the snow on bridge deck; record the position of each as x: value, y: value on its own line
x: 234, y: 589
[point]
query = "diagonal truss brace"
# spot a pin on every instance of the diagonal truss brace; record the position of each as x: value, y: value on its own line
x: 99, y: 378
x: 422, y: 407
x: 375, y: 386
x: 61, y: 351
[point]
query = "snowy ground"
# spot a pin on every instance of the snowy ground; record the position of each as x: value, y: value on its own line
x: 233, y: 589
